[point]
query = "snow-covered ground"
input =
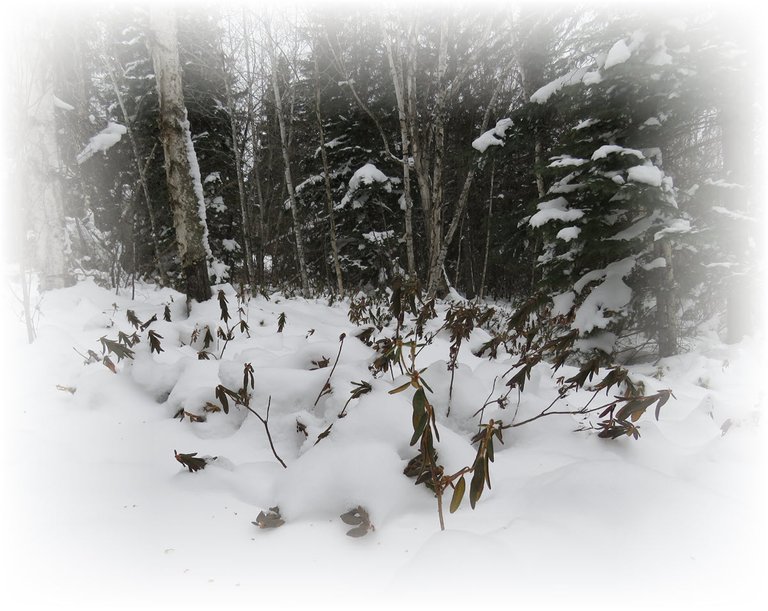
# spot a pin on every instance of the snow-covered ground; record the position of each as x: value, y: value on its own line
x: 97, y: 514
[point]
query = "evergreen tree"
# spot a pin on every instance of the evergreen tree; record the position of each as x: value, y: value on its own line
x: 608, y: 219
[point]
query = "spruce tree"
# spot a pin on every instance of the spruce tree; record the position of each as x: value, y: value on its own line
x: 611, y: 214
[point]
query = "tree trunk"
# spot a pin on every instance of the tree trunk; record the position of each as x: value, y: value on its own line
x: 287, y: 171
x: 244, y: 217
x: 666, y: 327
x: 327, y: 179
x: 464, y: 195
x: 39, y: 185
x: 397, y: 80
x: 738, y: 142
x: 182, y: 173
x: 487, y: 232
x: 256, y: 179
x: 420, y: 163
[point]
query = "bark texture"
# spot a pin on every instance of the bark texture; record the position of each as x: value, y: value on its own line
x: 182, y: 173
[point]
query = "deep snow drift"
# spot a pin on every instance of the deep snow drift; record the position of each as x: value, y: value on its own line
x: 99, y: 515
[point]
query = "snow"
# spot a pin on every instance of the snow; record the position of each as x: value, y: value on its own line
x: 722, y: 183
x: 312, y: 180
x: 586, y: 123
x: 542, y: 95
x: 554, y: 210
x: 368, y: 174
x: 214, y: 267
x: 737, y: 216
x: 379, y: 237
x: 618, y: 54
x: 562, y: 303
x: 230, y: 245
x: 59, y: 103
x: 103, y: 141
x: 610, y: 295
x: 493, y: 137
x: 592, y: 78
x: 97, y: 509
x: 568, y: 233
x: 562, y: 161
x: 635, y: 230
x: 674, y: 227
x: 655, y: 264
x: 217, y: 203
x: 646, y: 174
x: 660, y: 58
x: 610, y: 149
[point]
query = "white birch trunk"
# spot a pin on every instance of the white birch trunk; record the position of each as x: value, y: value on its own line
x: 181, y: 170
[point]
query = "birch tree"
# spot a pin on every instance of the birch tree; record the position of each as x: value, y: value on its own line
x: 181, y: 169
x: 39, y: 187
x: 293, y: 200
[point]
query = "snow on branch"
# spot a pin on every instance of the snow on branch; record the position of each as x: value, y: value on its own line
x: 103, y: 141
x: 493, y: 137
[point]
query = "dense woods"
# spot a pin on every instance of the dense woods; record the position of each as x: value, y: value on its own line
x: 599, y: 163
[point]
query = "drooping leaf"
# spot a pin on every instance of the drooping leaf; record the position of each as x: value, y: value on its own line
x: 477, y: 484
x: 270, y: 519
x: 358, y: 531
x: 324, y: 434
x: 420, y: 426
x: 149, y: 322
x: 154, y: 342
x: 248, y: 378
x: 664, y: 396
x: 357, y: 517
x: 132, y: 319
x: 400, y: 388
x: 109, y: 364
x: 351, y: 517
x: 120, y: 351
x: 458, y: 494
x: 635, y: 408
x: 207, y: 338
x: 223, y: 306
x: 221, y: 395
x: 419, y: 407
x: 191, y: 461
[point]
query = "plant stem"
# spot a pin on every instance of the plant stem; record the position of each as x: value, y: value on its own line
x: 265, y: 422
x: 336, y: 362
